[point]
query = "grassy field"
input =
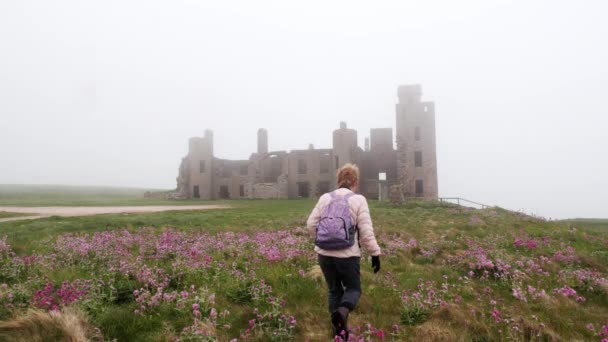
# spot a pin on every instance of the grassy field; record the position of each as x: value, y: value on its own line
x: 26, y: 236
x: 7, y: 214
x: 62, y: 195
x: 592, y: 224
x: 249, y: 273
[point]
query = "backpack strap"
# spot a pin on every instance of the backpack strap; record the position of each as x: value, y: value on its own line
x: 347, y: 197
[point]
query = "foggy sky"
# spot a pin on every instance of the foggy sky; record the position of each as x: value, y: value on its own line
x: 108, y: 92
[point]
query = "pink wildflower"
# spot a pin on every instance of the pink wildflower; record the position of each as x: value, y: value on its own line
x: 566, y: 291
x: 531, y: 244
x: 519, y: 294
x: 496, y: 315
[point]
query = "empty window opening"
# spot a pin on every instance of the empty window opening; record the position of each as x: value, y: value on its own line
x: 303, y: 189
x: 302, y: 167
x: 417, y: 133
x: 195, y: 192
x: 419, y: 187
x: 224, y: 194
x: 323, y: 188
x: 324, y: 167
x: 426, y: 109
x: 244, y: 170
x: 201, y: 166
x: 272, y: 168
x: 242, y: 190
x: 418, y: 158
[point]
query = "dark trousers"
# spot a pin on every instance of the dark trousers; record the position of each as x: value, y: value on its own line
x: 343, y: 281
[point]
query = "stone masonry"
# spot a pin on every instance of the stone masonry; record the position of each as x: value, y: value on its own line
x: 411, y: 167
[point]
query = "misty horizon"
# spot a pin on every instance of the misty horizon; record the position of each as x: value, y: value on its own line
x: 109, y: 93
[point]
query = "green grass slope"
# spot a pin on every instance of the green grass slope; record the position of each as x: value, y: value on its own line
x: 250, y: 273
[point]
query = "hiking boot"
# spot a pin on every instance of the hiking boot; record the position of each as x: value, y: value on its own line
x: 339, y: 320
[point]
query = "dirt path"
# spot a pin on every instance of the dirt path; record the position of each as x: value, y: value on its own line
x: 41, y: 212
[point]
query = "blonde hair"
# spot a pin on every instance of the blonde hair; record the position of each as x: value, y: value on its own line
x: 348, y: 176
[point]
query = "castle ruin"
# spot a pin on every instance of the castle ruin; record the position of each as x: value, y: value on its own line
x: 410, y: 169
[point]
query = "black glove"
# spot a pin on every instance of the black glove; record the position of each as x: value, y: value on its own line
x: 376, y: 263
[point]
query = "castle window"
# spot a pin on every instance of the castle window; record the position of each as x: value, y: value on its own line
x: 195, y: 192
x: 323, y: 187
x: 418, y: 158
x: 272, y: 169
x: 244, y: 170
x: 201, y: 166
x: 417, y: 133
x: 419, y: 187
x: 242, y: 190
x: 224, y: 193
x: 324, y: 167
x: 303, y: 189
x: 302, y: 166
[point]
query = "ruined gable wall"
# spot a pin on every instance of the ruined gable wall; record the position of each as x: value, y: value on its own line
x: 229, y: 176
x: 304, y: 170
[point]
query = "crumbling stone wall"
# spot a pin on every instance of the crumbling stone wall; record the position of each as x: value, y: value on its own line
x: 269, y: 190
x: 183, y: 181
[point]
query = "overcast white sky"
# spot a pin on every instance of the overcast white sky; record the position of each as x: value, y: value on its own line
x: 108, y: 92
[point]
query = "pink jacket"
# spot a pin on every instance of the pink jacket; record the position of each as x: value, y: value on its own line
x: 360, y: 215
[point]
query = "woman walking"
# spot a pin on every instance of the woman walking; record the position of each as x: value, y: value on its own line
x: 341, y: 224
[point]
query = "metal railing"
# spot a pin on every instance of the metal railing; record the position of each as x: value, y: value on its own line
x: 459, y: 202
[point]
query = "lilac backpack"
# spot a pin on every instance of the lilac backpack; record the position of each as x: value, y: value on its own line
x: 336, y: 229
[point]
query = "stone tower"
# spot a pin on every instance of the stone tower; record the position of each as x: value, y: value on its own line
x: 416, y: 148
x: 262, y: 141
x: 344, y: 145
x: 200, y: 155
